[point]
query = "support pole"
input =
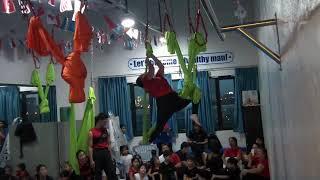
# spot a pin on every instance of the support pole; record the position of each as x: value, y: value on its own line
x: 255, y: 24
x: 259, y: 45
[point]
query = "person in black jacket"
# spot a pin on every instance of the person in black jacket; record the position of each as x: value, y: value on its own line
x: 42, y: 173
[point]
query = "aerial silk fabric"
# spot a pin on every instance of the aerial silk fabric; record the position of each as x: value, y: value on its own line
x: 197, y: 44
x: 73, y: 140
x: 36, y: 81
x: 245, y: 79
x: 73, y: 69
x: 207, y: 116
x: 87, y: 122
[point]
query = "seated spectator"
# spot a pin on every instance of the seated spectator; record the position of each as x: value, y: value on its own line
x: 124, y: 131
x: 71, y: 173
x: 2, y: 133
x: 183, y: 152
x: 260, y: 142
x: 232, y: 171
x: 174, y: 158
x: 165, y: 137
x: 142, y: 174
x: 64, y: 175
x: 125, y: 160
x: 135, y: 167
x: 213, y: 161
x: 198, y: 140
x: 22, y: 173
x: 167, y: 169
x: 253, y: 159
x: 7, y: 174
x: 214, y: 143
x: 191, y: 171
x: 86, y: 171
x: 42, y: 173
x: 259, y: 171
x: 154, y: 170
x: 234, y: 151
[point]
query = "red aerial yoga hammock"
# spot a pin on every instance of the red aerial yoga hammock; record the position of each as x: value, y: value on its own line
x: 73, y: 69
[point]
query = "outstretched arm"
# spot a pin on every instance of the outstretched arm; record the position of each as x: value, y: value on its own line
x: 159, y: 64
x: 150, y: 73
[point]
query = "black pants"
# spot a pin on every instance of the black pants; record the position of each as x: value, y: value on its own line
x: 103, y: 161
x: 167, y: 105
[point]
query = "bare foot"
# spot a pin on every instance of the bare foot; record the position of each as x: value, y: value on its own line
x: 195, y: 119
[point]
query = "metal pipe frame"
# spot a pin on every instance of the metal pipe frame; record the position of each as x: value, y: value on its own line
x: 259, y: 45
x: 255, y: 24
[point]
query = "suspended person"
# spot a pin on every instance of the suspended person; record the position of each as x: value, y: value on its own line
x: 168, y: 101
x: 99, y: 152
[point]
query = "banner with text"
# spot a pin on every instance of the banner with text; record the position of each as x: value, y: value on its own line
x: 172, y: 61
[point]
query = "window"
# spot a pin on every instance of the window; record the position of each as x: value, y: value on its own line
x: 225, y: 99
x: 136, y: 94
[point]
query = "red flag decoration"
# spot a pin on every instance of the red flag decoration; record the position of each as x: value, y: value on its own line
x: 8, y: 6
x: 110, y: 23
x: 52, y: 2
x: 65, y: 5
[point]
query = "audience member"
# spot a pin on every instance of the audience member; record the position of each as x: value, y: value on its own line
x: 125, y: 160
x: 167, y: 169
x: 174, y: 158
x: 259, y: 171
x: 191, y: 171
x: 2, y: 134
x: 142, y: 175
x: 165, y: 137
x: 198, y: 140
x: 213, y: 161
x: 7, y: 174
x: 260, y: 142
x: 135, y: 165
x: 86, y: 171
x: 22, y: 173
x: 234, y: 151
x: 71, y: 173
x: 124, y: 131
x: 42, y: 173
x: 232, y: 171
x: 154, y: 170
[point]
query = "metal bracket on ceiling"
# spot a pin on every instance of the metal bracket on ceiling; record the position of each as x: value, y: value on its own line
x: 242, y: 29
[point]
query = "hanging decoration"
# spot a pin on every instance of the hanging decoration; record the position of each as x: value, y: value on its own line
x: 77, y: 7
x: 240, y: 13
x: 133, y: 33
x: 111, y: 25
x: 52, y: 3
x: 8, y: 6
x: 24, y: 7
x: 65, y: 5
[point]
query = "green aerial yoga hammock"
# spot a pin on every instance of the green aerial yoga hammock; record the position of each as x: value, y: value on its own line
x: 36, y: 81
x: 145, y: 120
x: 80, y: 142
x: 197, y: 44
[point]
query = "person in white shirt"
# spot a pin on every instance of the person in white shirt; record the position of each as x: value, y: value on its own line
x: 142, y: 175
x: 125, y: 160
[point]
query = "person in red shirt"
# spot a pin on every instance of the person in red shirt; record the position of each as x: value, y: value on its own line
x: 234, y: 151
x: 22, y: 173
x: 168, y: 101
x: 86, y: 171
x: 99, y: 153
x: 259, y: 171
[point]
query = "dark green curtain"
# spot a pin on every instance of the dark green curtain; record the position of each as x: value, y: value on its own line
x: 114, y: 97
x: 9, y: 103
x: 245, y: 79
x: 52, y: 115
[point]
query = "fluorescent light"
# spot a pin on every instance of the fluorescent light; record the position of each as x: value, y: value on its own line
x: 127, y: 22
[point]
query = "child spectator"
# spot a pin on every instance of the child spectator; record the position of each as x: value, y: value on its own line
x: 191, y: 171
x: 125, y: 161
x: 142, y: 175
x: 167, y: 169
x: 22, y: 173
x: 154, y: 171
x: 42, y: 173
x: 232, y: 171
x: 71, y: 173
x: 135, y: 167
x: 86, y: 172
x: 7, y: 174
